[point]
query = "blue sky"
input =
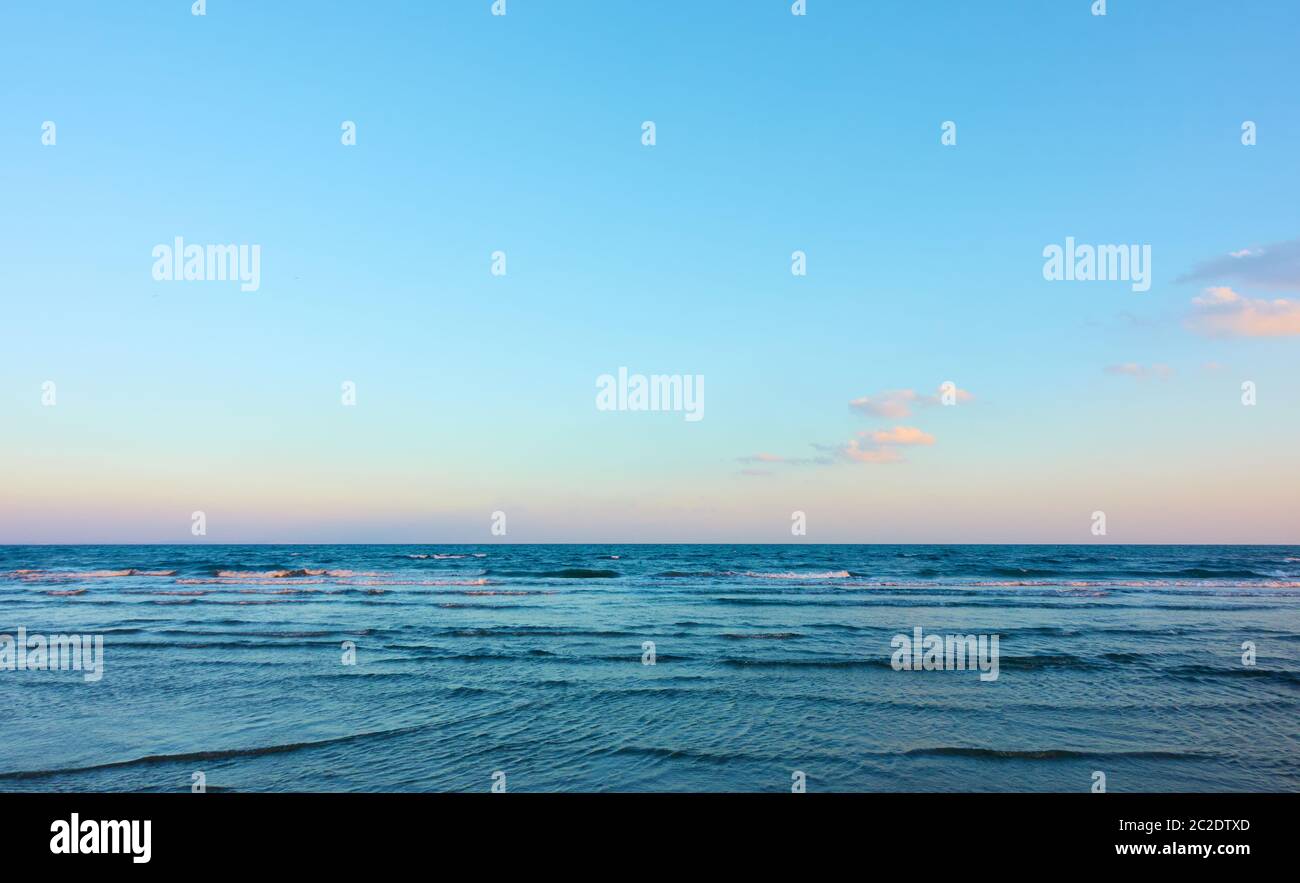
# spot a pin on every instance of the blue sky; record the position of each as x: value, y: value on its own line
x: 522, y: 133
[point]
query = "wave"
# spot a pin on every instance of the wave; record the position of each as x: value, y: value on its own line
x: 1047, y: 660
x: 239, y: 585
x: 38, y: 575
x: 222, y: 754
x: 1195, y: 671
x: 478, y: 581
x: 1194, y: 572
x: 338, y: 583
x: 1054, y: 754
x: 771, y: 575
x: 166, y: 634
x: 565, y: 573
x: 1001, y: 603
x: 742, y: 636
x: 289, y: 574
x: 531, y: 631
x: 454, y: 606
x: 792, y: 575
x: 738, y: 662
x: 669, y: 753
x: 687, y: 574
x: 246, y: 644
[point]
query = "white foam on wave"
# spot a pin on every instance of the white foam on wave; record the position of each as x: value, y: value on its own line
x: 829, y: 574
x: 39, y: 575
x: 289, y: 574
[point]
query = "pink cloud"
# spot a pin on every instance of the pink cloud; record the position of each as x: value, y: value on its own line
x: 1223, y: 312
x: 958, y: 394
x: 854, y: 451
x: 882, y: 446
x: 901, y: 435
x: 763, y: 458
x: 894, y: 403
x: 878, y: 446
x: 897, y: 403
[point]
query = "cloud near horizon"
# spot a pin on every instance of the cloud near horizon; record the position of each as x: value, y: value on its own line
x: 1222, y: 312
x: 878, y: 446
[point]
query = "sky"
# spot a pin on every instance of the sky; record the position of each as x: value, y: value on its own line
x: 523, y: 135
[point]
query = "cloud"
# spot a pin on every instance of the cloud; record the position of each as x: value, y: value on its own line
x: 900, y: 435
x: 762, y: 458
x: 896, y: 403
x: 958, y: 394
x: 869, y: 446
x: 879, y: 446
x: 1133, y: 369
x: 1223, y: 312
x: 786, y: 461
x: 1130, y: 368
x: 854, y: 451
x: 1275, y: 267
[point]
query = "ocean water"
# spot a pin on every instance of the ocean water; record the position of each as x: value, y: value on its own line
x: 529, y: 661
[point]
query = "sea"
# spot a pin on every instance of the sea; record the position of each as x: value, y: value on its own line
x: 735, y: 668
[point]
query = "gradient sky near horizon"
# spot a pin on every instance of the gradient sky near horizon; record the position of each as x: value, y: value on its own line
x: 775, y: 133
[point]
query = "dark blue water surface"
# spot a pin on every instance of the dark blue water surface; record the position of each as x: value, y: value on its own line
x: 769, y: 659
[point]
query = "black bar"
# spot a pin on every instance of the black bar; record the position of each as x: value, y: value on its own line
x: 652, y: 832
